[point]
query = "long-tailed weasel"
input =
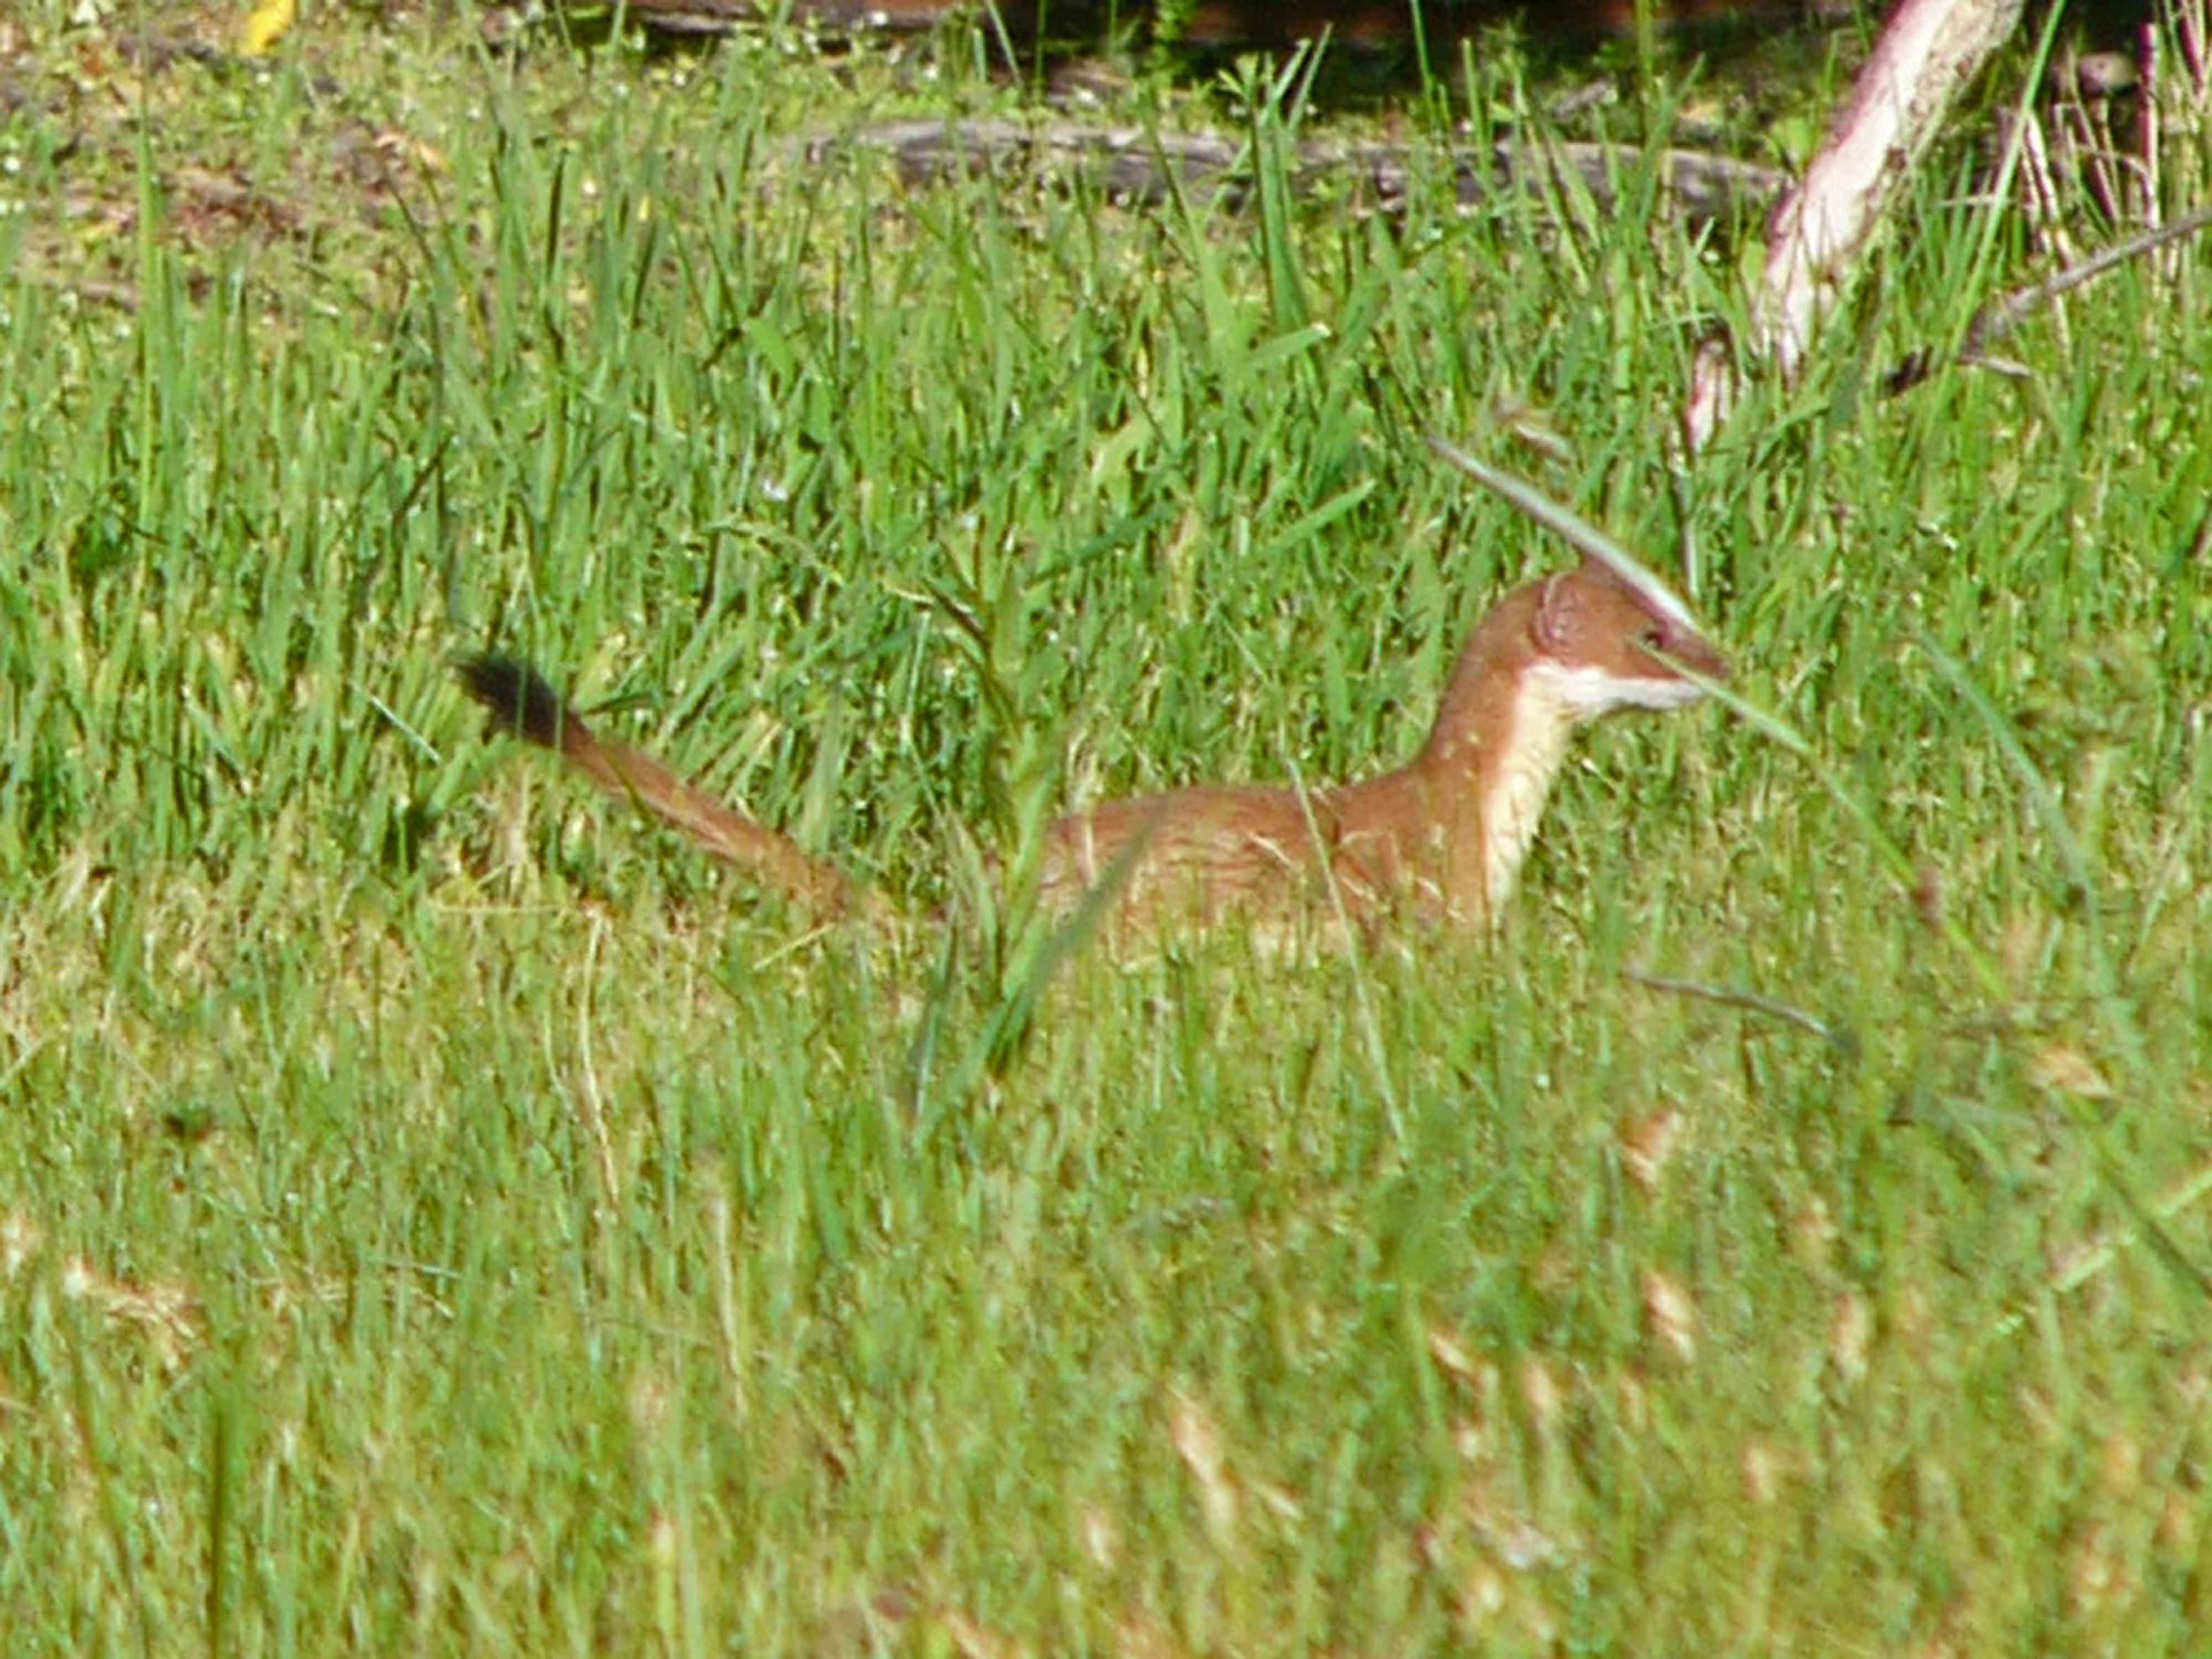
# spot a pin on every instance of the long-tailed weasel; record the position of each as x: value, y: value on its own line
x: 1442, y: 837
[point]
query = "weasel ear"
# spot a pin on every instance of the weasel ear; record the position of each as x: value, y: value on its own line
x: 1554, y: 614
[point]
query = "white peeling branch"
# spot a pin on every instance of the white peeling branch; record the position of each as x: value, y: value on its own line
x: 1928, y: 52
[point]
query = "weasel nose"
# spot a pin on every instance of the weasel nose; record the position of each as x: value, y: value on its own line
x: 1692, y: 650
x: 1695, y: 650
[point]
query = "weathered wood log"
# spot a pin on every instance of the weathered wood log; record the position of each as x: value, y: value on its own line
x: 1137, y: 166
x: 1214, y: 23
x: 1394, y: 22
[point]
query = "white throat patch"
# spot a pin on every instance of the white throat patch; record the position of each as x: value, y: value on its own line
x: 1545, y: 715
x: 1553, y: 702
x: 1587, y: 693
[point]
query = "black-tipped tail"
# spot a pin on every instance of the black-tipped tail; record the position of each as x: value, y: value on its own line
x: 521, y: 700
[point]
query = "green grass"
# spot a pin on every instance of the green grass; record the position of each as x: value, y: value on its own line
x: 443, y: 1215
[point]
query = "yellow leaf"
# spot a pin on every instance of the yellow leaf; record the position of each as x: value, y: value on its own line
x: 2065, y: 1071
x: 269, y: 22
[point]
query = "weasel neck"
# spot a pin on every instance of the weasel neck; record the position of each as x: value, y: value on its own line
x: 1501, y: 734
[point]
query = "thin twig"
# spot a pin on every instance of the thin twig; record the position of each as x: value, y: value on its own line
x: 2075, y: 1266
x: 2009, y: 313
x: 2041, y: 189
x: 1994, y: 322
x: 2146, y: 134
x: 1572, y: 528
x: 1842, y: 1039
x: 2189, y: 26
x: 589, y: 1110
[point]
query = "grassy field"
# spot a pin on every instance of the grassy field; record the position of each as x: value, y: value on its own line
x: 439, y: 1214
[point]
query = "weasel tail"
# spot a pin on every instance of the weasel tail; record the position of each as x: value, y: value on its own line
x: 521, y: 702
x: 1442, y: 839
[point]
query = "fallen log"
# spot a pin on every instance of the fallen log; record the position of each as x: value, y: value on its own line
x: 1139, y: 167
x: 1212, y: 24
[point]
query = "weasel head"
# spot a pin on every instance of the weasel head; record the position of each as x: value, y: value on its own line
x: 1602, y: 643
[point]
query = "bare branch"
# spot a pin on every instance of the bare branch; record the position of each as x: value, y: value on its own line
x: 1926, y: 55
x: 1994, y: 322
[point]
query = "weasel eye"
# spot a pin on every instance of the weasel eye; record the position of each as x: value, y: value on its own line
x: 1655, y: 639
